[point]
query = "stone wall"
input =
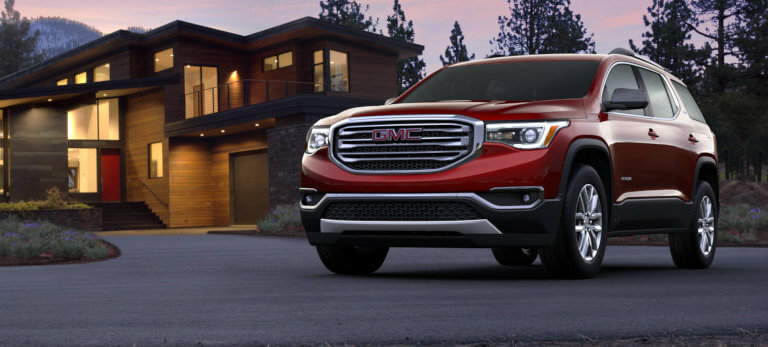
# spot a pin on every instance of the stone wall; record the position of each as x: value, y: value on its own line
x: 84, y: 220
x: 285, y: 146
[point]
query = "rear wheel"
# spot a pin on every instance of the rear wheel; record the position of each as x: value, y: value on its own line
x: 515, y: 256
x: 580, y: 242
x: 352, y: 260
x: 695, y: 249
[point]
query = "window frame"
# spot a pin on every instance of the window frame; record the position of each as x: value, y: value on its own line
x: 277, y: 58
x: 322, y: 65
x: 98, y: 121
x: 216, y: 108
x: 82, y: 73
x: 641, y: 83
x: 161, y: 174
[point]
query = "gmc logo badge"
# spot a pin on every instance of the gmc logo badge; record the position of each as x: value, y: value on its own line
x: 403, y: 134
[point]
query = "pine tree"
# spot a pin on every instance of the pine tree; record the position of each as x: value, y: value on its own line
x: 668, y: 40
x: 457, y: 51
x: 751, y: 43
x: 541, y: 26
x: 348, y: 13
x: 17, y: 45
x: 716, y: 13
x: 409, y: 71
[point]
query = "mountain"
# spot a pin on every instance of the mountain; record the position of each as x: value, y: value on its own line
x: 58, y: 35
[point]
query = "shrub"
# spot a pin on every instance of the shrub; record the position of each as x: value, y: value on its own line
x: 27, y: 240
x: 55, y: 199
x: 739, y: 222
x: 281, y: 218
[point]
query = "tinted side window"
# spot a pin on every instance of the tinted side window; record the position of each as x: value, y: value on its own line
x: 690, y: 104
x: 621, y: 76
x: 658, y: 95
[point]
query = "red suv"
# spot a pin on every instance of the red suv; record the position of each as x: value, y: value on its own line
x: 541, y: 155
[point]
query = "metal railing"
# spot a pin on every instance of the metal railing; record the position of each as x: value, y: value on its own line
x: 154, y: 194
x: 242, y: 93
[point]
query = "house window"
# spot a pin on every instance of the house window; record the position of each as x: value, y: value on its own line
x: 278, y: 61
x: 200, y: 90
x: 164, y: 60
x: 156, y: 160
x: 82, y: 170
x: 317, y: 71
x: 339, y: 72
x: 101, y: 73
x: 81, y: 78
x: 62, y: 82
x: 95, y: 122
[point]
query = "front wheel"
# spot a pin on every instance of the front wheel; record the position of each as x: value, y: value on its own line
x: 695, y: 249
x: 580, y: 242
x: 352, y: 260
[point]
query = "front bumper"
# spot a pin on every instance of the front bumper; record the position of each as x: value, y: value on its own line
x: 531, y: 225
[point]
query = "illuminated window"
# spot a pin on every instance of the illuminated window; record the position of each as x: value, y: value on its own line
x: 156, y: 160
x: 200, y: 90
x: 318, y: 71
x: 82, y: 172
x: 164, y: 60
x: 62, y: 82
x: 81, y: 78
x: 339, y: 72
x: 278, y: 61
x: 94, y: 122
x: 101, y: 73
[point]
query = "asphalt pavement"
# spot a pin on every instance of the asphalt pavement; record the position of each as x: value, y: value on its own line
x: 241, y: 290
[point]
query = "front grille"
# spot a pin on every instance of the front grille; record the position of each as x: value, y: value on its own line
x: 434, y: 144
x: 401, y: 211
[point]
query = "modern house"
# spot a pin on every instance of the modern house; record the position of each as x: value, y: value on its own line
x: 205, y: 127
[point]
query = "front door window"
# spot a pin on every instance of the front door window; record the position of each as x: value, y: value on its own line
x: 201, y: 96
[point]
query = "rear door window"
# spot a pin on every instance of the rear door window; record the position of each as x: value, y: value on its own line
x: 660, y: 103
x: 621, y: 76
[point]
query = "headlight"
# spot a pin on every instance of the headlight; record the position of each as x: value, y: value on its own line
x: 524, y: 135
x: 317, y: 138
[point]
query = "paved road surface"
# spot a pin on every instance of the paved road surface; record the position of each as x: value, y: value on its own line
x: 224, y: 290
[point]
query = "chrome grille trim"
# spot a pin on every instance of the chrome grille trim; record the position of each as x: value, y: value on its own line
x: 446, y: 142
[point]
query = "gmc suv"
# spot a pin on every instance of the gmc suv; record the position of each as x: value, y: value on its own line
x: 541, y: 155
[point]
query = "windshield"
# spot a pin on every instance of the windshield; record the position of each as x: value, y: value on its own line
x: 512, y: 81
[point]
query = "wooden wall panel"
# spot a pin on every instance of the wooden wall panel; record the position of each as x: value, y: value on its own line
x: 220, y: 150
x: 144, y: 117
x: 191, y: 187
x: 372, y: 75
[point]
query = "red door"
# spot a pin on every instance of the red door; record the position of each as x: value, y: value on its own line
x: 110, y: 175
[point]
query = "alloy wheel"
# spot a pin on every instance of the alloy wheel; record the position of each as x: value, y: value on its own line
x: 588, y: 222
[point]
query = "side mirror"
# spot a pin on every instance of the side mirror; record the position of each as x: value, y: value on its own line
x: 626, y: 99
x: 390, y: 100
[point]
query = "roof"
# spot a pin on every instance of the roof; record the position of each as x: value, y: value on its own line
x: 307, y: 27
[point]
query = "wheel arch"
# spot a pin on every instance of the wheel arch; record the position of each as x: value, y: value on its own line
x: 592, y: 152
x: 706, y: 170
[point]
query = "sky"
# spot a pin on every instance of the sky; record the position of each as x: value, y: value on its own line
x: 613, y: 22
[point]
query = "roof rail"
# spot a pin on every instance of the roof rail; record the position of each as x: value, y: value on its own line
x: 624, y: 51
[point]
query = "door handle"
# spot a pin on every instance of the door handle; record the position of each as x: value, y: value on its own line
x: 692, y: 139
x: 652, y: 134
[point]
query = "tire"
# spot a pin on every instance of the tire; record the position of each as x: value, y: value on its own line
x: 511, y: 256
x: 695, y: 249
x: 352, y: 260
x: 578, y: 250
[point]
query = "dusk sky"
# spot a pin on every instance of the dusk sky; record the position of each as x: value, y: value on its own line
x: 612, y: 21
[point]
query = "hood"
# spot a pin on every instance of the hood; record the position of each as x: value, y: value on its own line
x: 482, y: 110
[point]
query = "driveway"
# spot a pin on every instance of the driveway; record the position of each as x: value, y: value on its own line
x: 237, y: 290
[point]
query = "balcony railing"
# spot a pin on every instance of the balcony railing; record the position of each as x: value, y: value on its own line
x: 242, y: 93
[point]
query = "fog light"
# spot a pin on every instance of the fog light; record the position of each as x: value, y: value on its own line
x: 526, y: 198
x: 308, y: 199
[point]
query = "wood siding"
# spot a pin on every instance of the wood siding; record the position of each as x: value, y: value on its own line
x: 372, y: 75
x: 144, y: 125
x: 191, y: 187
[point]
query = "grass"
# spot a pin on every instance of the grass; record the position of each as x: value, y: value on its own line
x: 740, y: 222
x: 26, y: 240
x: 281, y: 218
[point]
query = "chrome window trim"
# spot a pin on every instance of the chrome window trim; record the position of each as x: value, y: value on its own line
x: 663, y: 78
x: 478, y: 136
x: 417, y: 196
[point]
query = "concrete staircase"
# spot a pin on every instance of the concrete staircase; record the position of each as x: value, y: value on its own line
x: 128, y: 216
